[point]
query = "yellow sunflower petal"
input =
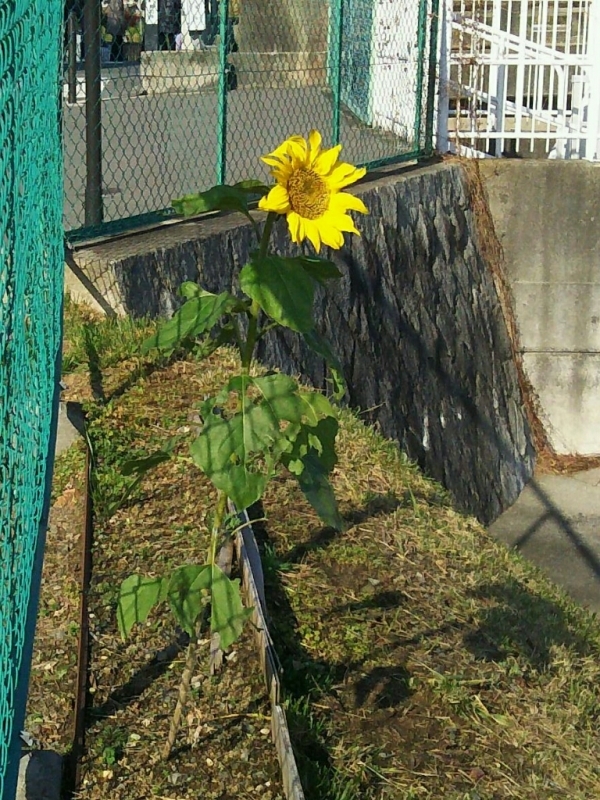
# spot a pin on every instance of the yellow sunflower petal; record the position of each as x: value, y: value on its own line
x: 294, y: 224
x: 275, y: 161
x: 312, y: 232
x: 327, y: 160
x: 342, y: 201
x: 277, y: 200
x: 314, y: 140
x: 282, y: 154
x: 344, y: 174
x: 329, y: 235
x: 298, y: 151
x: 335, y: 219
x: 282, y: 173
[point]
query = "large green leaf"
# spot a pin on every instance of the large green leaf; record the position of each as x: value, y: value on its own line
x: 219, y: 198
x: 317, y: 489
x: 225, y: 449
x: 283, y: 290
x: 320, y: 440
x: 321, y: 347
x: 281, y: 396
x: 320, y: 269
x: 227, y: 612
x: 197, y: 315
x: 186, y: 594
x: 137, y: 597
x: 252, y: 186
x: 229, y: 448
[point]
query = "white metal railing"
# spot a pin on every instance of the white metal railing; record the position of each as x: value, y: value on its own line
x: 518, y: 76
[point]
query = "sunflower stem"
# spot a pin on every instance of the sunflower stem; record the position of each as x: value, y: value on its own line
x: 266, y: 235
x: 192, y: 654
x: 254, y: 310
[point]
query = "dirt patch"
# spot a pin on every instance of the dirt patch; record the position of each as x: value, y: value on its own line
x: 54, y: 665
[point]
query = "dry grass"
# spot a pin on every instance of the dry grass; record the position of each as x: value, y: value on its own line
x: 421, y: 659
x: 441, y: 664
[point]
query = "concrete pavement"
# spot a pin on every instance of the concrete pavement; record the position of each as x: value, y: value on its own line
x: 555, y: 523
x: 158, y: 147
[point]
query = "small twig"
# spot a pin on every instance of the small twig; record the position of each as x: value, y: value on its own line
x: 184, y: 688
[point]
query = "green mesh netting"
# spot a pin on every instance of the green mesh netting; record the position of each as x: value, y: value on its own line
x: 30, y: 307
x: 249, y: 74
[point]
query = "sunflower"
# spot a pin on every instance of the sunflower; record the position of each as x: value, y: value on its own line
x: 308, y: 191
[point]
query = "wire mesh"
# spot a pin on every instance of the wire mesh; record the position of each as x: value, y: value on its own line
x: 209, y: 85
x: 30, y: 307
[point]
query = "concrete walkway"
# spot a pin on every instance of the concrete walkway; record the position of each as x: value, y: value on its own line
x: 555, y: 523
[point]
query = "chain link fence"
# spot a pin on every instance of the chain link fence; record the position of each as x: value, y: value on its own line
x: 31, y: 285
x: 168, y: 97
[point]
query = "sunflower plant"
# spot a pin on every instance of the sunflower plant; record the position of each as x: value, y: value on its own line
x: 256, y: 423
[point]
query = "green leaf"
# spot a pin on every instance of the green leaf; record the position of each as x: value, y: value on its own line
x: 320, y: 269
x: 228, y: 447
x: 320, y: 440
x: 143, y: 464
x: 253, y: 186
x: 282, y: 289
x: 317, y: 489
x: 321, y: 347
x: 190, y: 289
x: 137, y: 597
x: 197, y: 315
x: 224, y: 450
x: 227, y: 612
x: 186, y: 594
x: 219, y: 198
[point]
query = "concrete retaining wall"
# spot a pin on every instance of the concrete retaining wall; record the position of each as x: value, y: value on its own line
x: 415, y: 320
x: 547, y: 218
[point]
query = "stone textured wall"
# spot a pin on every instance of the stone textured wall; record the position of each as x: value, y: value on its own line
x: 415, y: 321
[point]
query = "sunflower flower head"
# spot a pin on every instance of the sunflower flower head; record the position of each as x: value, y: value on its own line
x: 308, y: 190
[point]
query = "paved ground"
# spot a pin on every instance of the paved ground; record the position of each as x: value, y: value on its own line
x: 70, y: 424
x: 555, y: 523
x: 157, y: 147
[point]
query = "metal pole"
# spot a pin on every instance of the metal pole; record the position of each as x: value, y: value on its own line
x: 433, y: 62
x: 93, y: 114
x: 338, y: 20
x: 443, y: 135
x: 72, y: 51
x: 222, y: 113
x: 421, y: 46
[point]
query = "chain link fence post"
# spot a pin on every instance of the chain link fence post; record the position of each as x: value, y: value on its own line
x: 338, y: 28
x: 223, y: 80
x: 93, y: 114
x: 432, y: 81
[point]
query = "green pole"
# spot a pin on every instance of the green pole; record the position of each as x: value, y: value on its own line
x: 93, y: 114
x: 338, y: 16
x: 421, y: 46
x: 433, y: 52
x: 222, y: 109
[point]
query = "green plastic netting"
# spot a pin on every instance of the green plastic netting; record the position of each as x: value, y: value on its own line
x: 31, y: 259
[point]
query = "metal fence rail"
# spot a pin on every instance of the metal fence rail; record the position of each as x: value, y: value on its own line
x: 31, y: 255
x: 207, y: 87
x: 521, y: 77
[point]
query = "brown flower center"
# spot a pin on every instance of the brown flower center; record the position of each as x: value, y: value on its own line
x: 308, y: 193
